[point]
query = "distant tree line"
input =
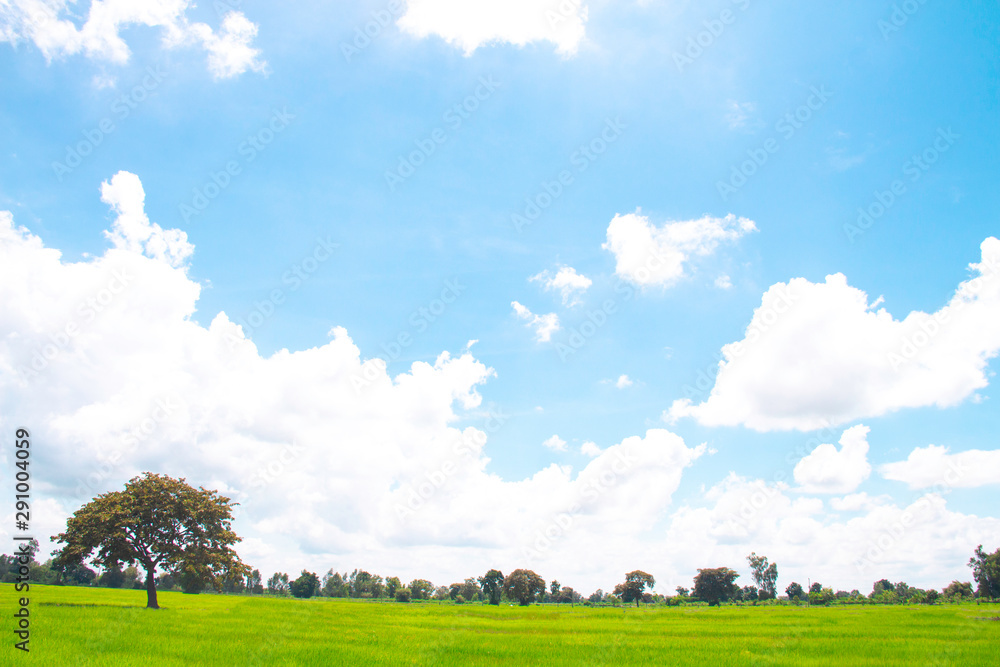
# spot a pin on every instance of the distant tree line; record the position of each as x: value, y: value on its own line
x: 158, y: 523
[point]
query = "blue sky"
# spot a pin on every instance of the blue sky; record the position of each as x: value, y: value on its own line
x: 822, y: 110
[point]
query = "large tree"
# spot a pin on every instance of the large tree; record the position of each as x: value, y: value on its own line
x: 716, y: 585
x: 156, y: 522
x: 523, y: 586
x: 986, y: 572
x: 635, y: 584
x: 764, y: 575
x: 492, y: 583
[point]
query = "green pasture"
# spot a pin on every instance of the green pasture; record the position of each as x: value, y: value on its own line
x: 92, y: 626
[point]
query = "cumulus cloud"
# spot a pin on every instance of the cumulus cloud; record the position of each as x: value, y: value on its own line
x: 819, y: 354
x: 47, y: 24
x: 555, y: 443
x: 470, y: 24
x: 923, y: 542
x: 648, y: 255
x: 829, y: 470
x: 623, y: 381
x: 102, y: 359
x: 934, y: 466
x: 570, y: 284
x: 543, y: 325
x: 723, y: 282
x: 590, y: 449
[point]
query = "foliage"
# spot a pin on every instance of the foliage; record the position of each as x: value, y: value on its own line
x: 421, y: 589
x: 492, y: 583
x: 795, y: 592
x: 986, y: 573
x: 403, y: 594
x: 958, y: 590
x: 635, y: 583
x: 156, y: 521
x: 305, y: 586
x: 764, y: 575
x: 278, y: 584
x: 523, y: 586
x: 392, y: 584
x: 715, y: 585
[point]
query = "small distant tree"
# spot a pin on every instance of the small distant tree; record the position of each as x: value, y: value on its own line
x: 749, y: 594
x: 278, y: 584
x: 305, y: 586
x: 403, y: 595
x: 682, y: 592
x: 816, y: 587
x: 492, y: 583
x: 554, y: 588
x: 596, y: 597
x: 986, y: 572
x: 932, y: 596
x: 715, y: 585
x: 523, y: 586
x: 254, y: 584
x: 958, y: 591
x: 636, y: 582
x: 795, y: 592
x: 421, y: 589
x: 335, y: 585
x: 392, y: 584
x: 155, y: 522
x: 442, y: 593
x: 113, y: 577
x: 470, y: 590
x: 764, y: 575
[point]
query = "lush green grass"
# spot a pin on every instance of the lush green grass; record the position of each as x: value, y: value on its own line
x: 85, y: 626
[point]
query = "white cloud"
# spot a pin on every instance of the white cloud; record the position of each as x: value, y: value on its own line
x: 647, y: 255
x: 623, y: 381
x: 555, y: 443
x: 723, y: 282
x: 132, y: 230
x: 101, y: 357
x: 829, y: 470
x: 923, y: 543
x: 590, y: 449
x: 469, y: 24
x: 47, y: 24
x: 818, y: 354
x: 567, y: 282
x: 933, y: 466
x: 544, y: 325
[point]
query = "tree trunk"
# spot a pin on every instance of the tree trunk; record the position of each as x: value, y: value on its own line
x: 151, y: 588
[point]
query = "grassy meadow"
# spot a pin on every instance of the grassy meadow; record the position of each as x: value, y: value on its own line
x: 92, y: 626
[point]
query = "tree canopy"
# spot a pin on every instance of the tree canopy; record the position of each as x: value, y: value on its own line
x: 764, y: 575
x: 523, y: 586
x: 635, y: 584
x: 156, y: 521
x: 492, y: 583
x: 986, y: 572
x: 716, y: 585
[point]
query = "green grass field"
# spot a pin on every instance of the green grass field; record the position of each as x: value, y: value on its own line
x: 88, y: 626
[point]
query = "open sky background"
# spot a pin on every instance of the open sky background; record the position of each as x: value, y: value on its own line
x: 436, y: 286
